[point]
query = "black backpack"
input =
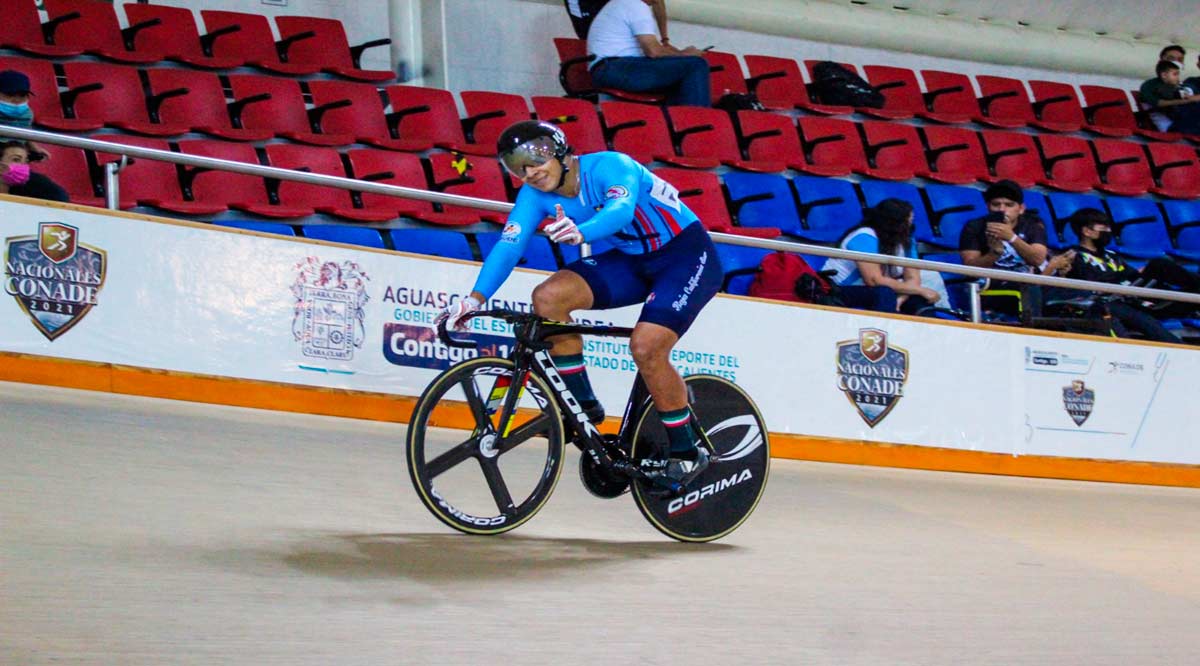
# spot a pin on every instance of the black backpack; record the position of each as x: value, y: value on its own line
x: 834, y: 84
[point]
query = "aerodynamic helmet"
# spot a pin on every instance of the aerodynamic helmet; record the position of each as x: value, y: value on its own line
x: 530, y: 143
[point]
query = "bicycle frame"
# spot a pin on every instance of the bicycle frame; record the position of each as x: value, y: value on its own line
x: 532, y: 354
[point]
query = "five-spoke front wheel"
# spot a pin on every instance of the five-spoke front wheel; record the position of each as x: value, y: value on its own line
x: 485, y: 448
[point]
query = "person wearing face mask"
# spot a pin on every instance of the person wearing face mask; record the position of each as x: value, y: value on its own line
x: 886, y: 229
x: 1093, y: 261
x: 16, y: 112
x: 18, y: 180
x: 14, y: 99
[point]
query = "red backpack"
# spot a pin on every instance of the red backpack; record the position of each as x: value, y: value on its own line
x: 788, y: 277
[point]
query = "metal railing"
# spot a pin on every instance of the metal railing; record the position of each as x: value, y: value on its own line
x: 112, y: 188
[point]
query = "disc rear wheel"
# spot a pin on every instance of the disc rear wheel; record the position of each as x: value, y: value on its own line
x: 727, y: 492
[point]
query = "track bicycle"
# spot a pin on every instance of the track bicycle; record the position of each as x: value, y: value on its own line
x: 518, y: 414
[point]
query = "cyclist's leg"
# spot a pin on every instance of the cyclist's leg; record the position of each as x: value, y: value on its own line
x: 591, y: 283
x: 561, y: 294
x: 686, y: 275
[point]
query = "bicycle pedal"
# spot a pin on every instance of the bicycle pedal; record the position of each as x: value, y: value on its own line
x: 667, y: 490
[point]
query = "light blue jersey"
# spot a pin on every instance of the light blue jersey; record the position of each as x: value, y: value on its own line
x: 864, y: 239
x: 620, y: 202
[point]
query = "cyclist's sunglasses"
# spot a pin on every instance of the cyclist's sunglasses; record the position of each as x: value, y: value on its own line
x: 532, y: 153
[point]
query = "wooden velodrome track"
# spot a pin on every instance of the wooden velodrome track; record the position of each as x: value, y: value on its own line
x: 142, y: 531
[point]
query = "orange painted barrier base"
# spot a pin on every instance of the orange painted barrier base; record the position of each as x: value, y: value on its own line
x: 152, y: 383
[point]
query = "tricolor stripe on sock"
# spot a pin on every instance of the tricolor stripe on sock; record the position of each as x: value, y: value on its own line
x: 569, y: 367
x: 676, y: 421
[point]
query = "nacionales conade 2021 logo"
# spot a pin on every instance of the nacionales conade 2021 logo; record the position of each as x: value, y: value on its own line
x: 55, y: 278
x: 1079, y: 401
x: 330, y: 308
x: 872, y: 374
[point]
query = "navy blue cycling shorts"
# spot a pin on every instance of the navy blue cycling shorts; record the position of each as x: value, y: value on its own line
x: 674, y: 281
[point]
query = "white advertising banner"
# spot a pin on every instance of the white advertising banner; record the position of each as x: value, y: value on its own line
x: 121, y: 289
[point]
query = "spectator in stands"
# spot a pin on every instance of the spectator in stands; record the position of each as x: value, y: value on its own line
x: 582, y: 12
x: 886, y: 229
x: 1175, y: 53
x: 15, y: 111
x: 1172, y: 106
x: 1093, y: 261
x: 1008, y: 239
x: 16, y: 178
x: 631, y: 55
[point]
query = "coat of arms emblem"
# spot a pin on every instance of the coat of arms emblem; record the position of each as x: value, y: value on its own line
x: 330, y: 308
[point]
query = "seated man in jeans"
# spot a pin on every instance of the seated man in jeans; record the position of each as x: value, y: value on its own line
x: 625, y: 39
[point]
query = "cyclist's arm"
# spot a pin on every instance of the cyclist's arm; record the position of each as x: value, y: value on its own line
x: 614, y: 173
x: 526, y: 216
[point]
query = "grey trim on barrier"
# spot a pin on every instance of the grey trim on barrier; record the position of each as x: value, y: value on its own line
x: 504, y: 207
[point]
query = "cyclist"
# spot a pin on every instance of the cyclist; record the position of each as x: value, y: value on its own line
x: 660, y: 256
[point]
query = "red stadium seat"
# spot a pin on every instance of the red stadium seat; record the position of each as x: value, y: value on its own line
x: 951, y: 94
x: 1109, y: 112
x: 322, y: 43
x: 22, y: 30
x: 276, y: 104
x: 248, y: 38
x: 45, y: 101
x: 771, y: 137
x: 170, y: 32
x: 471, y: 176
x: 902, y: 94
x: 322, y: 199
x: 834, y: 147
x: 1068, y: 163
x: 195, y: 99
x: 489, y: 113
x: 93, y: 27
x: 111, y: 94
x: 707, y: 134
x: 779, y: 84
x: 146, y: 182
x: 640, y: 131
x: 725, y: 74
x: 1013, y: 155
x: 392, y: 168
x: 430, y: 115
x: 1175, y: 169
x: 69, y: 168
x: 954, y: 155
x: 1005, y: 103
x: 701, y: 192
x: 233, y: 190
x: 577, y: 118
x: 893, y: 150
x: 1056, y: 104
x: 356, y: 109
x: 1122, y: 167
